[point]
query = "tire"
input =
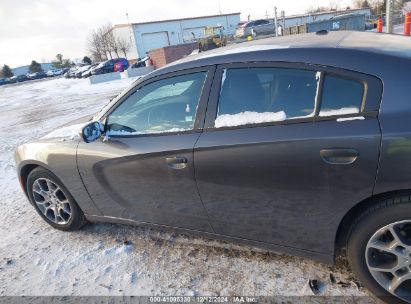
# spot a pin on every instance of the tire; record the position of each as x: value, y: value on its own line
x: 373, y: 228
x: 70, y: 217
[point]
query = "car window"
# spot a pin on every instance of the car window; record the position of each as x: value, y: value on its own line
x: 341, y: 96
x: 250, y: 24
x: 260, y: 95
x: 261, y: 22
x: 167, y: 105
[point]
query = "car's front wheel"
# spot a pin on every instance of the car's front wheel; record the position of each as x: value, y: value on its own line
x: 53, y: 201
x: 379, y: 249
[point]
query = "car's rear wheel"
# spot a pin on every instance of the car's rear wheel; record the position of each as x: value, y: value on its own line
x: 379, y: 249
x: 53, y: 201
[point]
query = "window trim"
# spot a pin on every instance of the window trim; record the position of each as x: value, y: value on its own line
x: 370, y: 105
x: 202, y: 103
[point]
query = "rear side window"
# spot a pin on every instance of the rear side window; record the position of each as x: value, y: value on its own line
x: 341, y: 96
x: 260, y: 95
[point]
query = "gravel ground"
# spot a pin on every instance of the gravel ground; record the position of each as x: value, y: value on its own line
x: 106, y: 259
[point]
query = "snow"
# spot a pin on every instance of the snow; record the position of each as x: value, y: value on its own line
x: 66, y: 133
x: 342, y: 111
x: 118, y: 260
x: 246, y: 118
x: 350, y: 118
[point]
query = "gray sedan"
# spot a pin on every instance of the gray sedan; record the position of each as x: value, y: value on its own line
x: 297, y: 144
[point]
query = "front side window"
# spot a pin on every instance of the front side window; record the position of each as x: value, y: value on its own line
x: 341, y: 96
x: 167, y: 105
x: 260, y: 95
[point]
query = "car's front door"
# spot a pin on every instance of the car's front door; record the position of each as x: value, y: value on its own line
x: 144, y: 171
x: 286, y: 150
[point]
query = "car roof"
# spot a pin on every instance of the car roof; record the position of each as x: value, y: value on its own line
x: 309, y: 48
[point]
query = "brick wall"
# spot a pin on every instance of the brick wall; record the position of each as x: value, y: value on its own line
x: 163, y: 56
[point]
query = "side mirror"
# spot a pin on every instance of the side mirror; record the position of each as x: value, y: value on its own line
x: 92, y: 131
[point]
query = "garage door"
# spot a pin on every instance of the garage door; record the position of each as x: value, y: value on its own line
x: 155, y: 40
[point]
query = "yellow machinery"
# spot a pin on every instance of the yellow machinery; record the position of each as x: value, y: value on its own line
x: 213, y: 38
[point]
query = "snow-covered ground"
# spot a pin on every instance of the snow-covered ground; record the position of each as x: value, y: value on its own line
x: 106, y: 259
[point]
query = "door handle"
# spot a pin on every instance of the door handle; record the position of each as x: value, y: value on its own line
x: 339, y: 156
x: 177, y: 163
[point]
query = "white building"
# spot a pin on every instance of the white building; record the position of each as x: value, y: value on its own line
x: 146, y: 36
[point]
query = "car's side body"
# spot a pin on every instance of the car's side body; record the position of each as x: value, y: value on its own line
x: 265, y: 185
x: 258, y: 27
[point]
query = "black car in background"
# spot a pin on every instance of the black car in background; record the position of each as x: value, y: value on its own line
x: 299, y: 144
x: 36, y: 75
x: 110, y: 66
x: 3, y: 81
x: 21, y: 78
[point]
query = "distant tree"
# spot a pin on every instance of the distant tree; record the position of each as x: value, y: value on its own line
x: 35, y: 67
x: 59, y: 58
x: 58, y: 62
x: 67, y: 63
x: 104, y: 38
x: 61, y: 63
x: 86, y: 60
x: 334, y: 5
x: 6, y: 72
x: 102, y: 44
x: 365, y: 4
x: 361, y: 4
x: 123, y: 45
x: 94, y: 45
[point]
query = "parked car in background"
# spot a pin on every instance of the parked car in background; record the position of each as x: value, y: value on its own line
x: 141, y: 62
x: 79, y: 72
x: 121, y: 64
x: 37, y: 75
x: 54, y: 73
x: 3, y: 81
x: 255, y: 28
x: 12, y: 79
x: 89, y: 71
x: 304, y: 151
x: 112, y: 65
x: 21, y: 78
x: 71, y: 72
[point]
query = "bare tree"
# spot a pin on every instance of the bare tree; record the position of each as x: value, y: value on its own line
x: 112, y: 42
x: 95, y: 46
x: 105, y: 40
x: 334, y: 5
x: 124, y: 45
x: 318, y: 9
x: 102, y: 43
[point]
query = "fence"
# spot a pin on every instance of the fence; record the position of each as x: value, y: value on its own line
x: 294, y: 30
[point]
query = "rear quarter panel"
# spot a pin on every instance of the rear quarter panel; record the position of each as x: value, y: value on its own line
x: 395, y: 119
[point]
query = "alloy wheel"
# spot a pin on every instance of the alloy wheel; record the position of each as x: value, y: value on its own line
x: 388, y: 257
x: 51, y: 201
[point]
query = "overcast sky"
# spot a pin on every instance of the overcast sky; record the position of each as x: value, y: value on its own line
x: 39, y: 29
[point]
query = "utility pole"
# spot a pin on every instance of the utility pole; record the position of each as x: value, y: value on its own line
x: 275, y: 22
x: 130, y: 27
x: 388, y: 17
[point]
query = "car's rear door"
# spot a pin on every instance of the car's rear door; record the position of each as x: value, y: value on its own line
x: 145, y: 171
x: 286, y: 151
